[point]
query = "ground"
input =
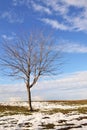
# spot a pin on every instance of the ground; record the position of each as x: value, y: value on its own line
x: 52, y: 115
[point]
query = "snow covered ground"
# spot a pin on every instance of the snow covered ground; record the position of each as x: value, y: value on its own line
x: 47, y: 117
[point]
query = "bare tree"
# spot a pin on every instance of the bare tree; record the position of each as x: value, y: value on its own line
x: 29, y: 58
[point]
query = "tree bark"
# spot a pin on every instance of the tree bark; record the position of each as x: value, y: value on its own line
x: 29, y: 98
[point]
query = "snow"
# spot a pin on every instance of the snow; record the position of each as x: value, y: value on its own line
x: 39, y: 120
x: 44, y: 105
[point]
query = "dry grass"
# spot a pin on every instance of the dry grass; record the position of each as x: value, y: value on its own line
x: 11, y: 110
x: 82, y: 110
x: 68, y: 102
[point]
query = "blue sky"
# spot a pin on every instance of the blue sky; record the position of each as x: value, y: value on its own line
x: 68, y: 20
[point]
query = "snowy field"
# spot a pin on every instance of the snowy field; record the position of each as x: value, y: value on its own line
x: 47, y: 115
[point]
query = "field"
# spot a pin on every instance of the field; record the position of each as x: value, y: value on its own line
x: 47, y: 115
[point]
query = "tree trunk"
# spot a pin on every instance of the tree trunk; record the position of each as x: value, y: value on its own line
x: 29, y: 98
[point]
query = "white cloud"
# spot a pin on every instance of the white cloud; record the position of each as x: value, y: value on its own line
x: 37, y: 98
x: 69, y: 47
x: 14, y: 99
x: 8, y: 88
x: 12, y: 92
x: 11, y: 17
x: 41, y: 8
x: 7, y: 37
x: 69, y: 79
x: 77, y: 21
x: 72, y: 21
x: 10, y: 37
x: 77, y: 3
x: 56, y: 6
x: 55, y: 24
x: 70, y: 86
x: 20, y: 2
x: 35, y: 5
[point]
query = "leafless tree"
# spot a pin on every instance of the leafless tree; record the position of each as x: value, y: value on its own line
x: 29, y: 58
